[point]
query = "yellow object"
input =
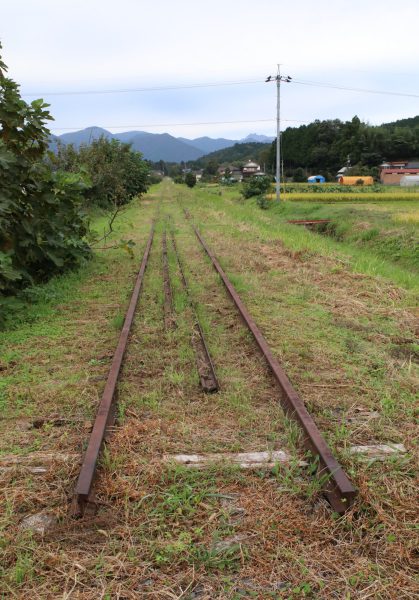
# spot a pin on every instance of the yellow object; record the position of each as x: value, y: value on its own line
x: 367, y: 180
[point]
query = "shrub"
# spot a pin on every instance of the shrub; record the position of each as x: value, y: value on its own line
x: 190, y: 180
x: 263, y: 202
x: 299, y: 175
x: 116, y: 173
x: 256, y: 186
x: 41, y: 222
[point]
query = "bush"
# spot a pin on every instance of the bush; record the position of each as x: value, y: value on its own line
x: 299, y: 175
x: 256, y: 186
x: 263, y: 202
x: 154, y: 178
x: 116, y: 173
x: 42, y: 225
x: 190, y: 180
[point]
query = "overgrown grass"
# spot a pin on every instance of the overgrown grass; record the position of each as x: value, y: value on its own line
x: 392, y: 254
x: 346, y: 341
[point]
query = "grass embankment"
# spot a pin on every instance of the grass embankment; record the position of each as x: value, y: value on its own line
x: 374, y: 239
x: 389, y: 230
x: 339, y: 324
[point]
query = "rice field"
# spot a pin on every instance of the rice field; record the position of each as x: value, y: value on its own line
x: 347, y: 197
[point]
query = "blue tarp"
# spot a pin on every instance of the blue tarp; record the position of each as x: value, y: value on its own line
x: 316, y: 179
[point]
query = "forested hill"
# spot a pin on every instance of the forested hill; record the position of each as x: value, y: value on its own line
x: 411, y: 122
x: 325, y: 146
x: 237, y: 153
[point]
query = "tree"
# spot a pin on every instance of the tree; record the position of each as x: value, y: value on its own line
x: 115, y: 172
x: 42, y: 224
x: 256, y: 186
x: 211, y: 168
x: 227, y: 174
x: 299, y: 175
x: 190, y: 179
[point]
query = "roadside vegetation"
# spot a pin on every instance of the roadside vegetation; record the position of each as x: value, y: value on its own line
x: 42, y: 223
x: 47, y: 201
x: 114, y: 174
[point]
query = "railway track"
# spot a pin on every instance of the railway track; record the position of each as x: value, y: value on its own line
x: 335, y: 484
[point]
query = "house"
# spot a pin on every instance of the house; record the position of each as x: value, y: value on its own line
x: 391, y: 173
x: 250, y: 169
x: 342, y: 172
x: 235, y: 172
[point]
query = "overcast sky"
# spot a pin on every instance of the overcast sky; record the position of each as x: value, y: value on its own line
x: 88, y: 45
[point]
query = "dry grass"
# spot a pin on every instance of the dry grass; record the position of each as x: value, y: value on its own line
x: 167, y: 532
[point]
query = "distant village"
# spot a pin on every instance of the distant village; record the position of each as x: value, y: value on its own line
x: 397, y: 173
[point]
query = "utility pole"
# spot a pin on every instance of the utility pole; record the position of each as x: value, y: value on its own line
x: 278, y: 78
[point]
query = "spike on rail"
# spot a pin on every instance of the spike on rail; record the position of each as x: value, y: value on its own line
x: 337, y: 488
x: 105, y: 417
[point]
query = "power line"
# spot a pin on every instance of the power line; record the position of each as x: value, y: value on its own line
x: 349, y: 89
x: 144, y: 89
x: 178, y: 124
x: 217, y: 84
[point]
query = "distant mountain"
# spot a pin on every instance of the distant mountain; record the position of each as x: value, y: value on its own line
x: 155, y: 146
x: 85, y: 136
x: 255, y: 137
x: 207, y: 144
x: 162, y: 146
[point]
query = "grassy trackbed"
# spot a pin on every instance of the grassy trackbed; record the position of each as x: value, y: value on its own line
x: 340, y: 316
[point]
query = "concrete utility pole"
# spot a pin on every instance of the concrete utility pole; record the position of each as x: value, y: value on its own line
x: 278, y: 78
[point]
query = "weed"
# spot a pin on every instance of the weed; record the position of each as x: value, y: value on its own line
x: 118, y: 321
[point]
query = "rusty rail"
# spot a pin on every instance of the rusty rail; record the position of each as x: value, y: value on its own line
x: 335, y: 484
x: 206, y: 371
x: 105, y: 417
x: 169, y: 322
x: 308, y: 222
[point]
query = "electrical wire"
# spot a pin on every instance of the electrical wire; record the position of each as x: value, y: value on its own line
x: 218, y: 84
x: 144, y: 89
x: 349, y: 89
x: 178, y: 124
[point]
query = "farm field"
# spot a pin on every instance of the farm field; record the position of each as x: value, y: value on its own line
x: 339, y: 310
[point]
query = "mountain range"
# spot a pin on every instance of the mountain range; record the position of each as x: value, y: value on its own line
x: 156, y: 146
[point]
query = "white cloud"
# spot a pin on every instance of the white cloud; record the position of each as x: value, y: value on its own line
x: 95, y: 44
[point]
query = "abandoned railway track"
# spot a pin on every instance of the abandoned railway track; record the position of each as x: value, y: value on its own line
x: 335, y: 484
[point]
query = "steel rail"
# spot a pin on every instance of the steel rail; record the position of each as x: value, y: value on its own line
x: 105, y: 416
x: 336, y: 486
x: 308, y: 221
x: 169, y: 322
x: 205, y: 366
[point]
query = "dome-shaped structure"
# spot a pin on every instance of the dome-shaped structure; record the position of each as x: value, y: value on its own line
x: 316, y: 179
